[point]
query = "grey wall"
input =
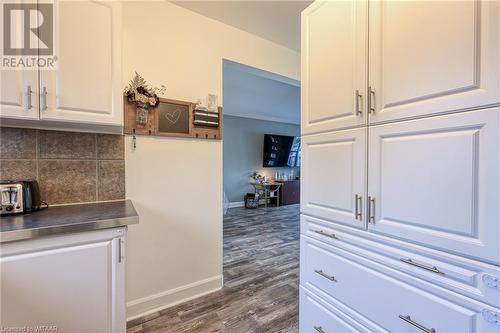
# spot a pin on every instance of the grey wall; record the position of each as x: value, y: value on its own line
x: 243, y: 148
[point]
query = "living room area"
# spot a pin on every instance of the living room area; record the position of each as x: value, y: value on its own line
x: 261, y: 138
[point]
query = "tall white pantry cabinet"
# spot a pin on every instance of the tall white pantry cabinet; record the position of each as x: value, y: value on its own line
x: 400, y: 201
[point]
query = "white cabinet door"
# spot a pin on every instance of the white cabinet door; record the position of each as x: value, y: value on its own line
x: 431, y: 57
x: 333, y: 176
x: 436, y: 181
x: 86, y: 86
x: 18, y: 87
x: 19, y: 94
x: 74, y: 287
x: 334, y: 65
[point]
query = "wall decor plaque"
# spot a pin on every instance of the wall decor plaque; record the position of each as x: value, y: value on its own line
x: 174, y: 118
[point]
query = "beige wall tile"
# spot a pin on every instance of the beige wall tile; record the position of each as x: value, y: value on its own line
x: 110, y: 147
x: 17, y: 169
x: 66, y: 145
x: 67, y: 181
x: 111, y: 184
x: 17, y: 143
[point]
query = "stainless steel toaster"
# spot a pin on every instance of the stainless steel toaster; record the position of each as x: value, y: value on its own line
x: 19, y: 197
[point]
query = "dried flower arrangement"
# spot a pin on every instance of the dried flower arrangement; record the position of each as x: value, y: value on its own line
x: 143, y: 96
x: 257, y: 177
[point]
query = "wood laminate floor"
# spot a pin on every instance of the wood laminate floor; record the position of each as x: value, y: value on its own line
x: 261, y: 269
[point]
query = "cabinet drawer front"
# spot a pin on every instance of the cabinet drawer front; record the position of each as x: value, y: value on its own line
x: 436, y: 181
x: 391, y: 303
x: 317, y: 316
x: 333, y: 176
x: 471, y: 278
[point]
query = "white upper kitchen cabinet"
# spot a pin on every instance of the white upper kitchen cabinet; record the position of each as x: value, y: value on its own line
x: 19, y: 94
x: 334, y: 65
x: 18, y: 87
x: 86, y: 86
x: 432, y: 57
x: 333, y: 176
x: 436, y: 181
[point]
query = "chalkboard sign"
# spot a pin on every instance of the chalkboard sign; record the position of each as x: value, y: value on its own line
x: 173, y: 118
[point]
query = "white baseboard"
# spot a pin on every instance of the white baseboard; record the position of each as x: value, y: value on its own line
x: 236, y: 204
x: 242, y: 203
x: 153, y: 303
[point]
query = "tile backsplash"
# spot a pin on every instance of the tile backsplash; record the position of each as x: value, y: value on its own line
x: 70, y: 167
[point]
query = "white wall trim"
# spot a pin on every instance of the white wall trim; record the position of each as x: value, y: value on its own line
x: 261, y: 72
x: 153, y: 303
x: 236, y: 204
x: 242, y: 203
x: 262, y: 117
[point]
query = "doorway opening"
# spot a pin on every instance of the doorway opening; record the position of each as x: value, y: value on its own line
x: 261, y: 159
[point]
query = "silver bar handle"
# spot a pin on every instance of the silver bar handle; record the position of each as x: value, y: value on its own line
x: 119, y: 250
x: 433, y: 269
x: 319, y: 329
x: 43, y: 99
x: 371, y: 100
x: 323, y: 274
x: 359, y: 102
x: 358, y: 207
x: 371, y: 210
x: 323, y: 233
x: 28, y: 97
x: 421, y: 327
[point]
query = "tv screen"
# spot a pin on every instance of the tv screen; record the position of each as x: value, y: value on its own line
x: 281, y: 151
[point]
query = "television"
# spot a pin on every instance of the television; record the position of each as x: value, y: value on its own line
x: 281, y: 151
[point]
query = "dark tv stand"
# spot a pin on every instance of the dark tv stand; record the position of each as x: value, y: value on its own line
x: 289, y: 192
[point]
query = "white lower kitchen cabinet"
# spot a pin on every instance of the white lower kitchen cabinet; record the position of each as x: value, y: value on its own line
x: 392, y: 301
x: 421, y: 265
x: 74, y: 282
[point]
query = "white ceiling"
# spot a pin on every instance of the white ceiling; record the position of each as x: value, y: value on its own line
x: 253, y: 93
x: 277, y: 21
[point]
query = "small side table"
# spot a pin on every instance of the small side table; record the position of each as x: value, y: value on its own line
x: 268, y: 188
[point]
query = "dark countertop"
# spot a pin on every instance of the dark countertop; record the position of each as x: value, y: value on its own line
x: 65, y: 219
